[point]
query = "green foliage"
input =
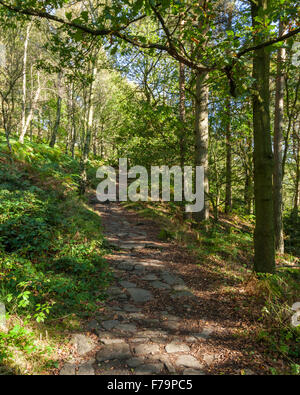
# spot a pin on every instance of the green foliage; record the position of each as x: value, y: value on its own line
x: 51, y: 246
x: 281, y: 291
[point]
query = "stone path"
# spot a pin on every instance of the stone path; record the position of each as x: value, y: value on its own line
x: 138, y: 331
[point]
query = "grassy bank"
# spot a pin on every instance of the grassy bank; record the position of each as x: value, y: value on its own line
x: 52, y: 271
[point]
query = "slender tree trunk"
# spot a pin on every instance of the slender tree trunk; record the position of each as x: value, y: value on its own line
x: 228, y: 191
x: 278, y: 128
x: 31, y: 113
x: 24, y: 82
x: 58, y: 110
x: 201, y: 137
x: 88, y: 134
x: 264, y: 248
x: 297, y: 178
x: 182, y: 113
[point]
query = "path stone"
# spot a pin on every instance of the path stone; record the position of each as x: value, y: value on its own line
x: 114, y: 291
x: 159, y: 285
x: 109, y: 324
x: 92, y: 325
x: 135, y: 362
x: 127, y: 284
x: 131, y: 308
x: 82, y: 343
x: 136, y: 316
x: 140, y: 295
x: 126, y: 327
x: 149, y: 369
x: 188, y: 361
x: 126, y: 266
x: 114, y: 351
x: 208, y: 358
x: 150, y: 277
x: 68, y: 369
x: 171, y: 279
x: 86, y: 369
x: 146, y: 348
x: 177, y: 347
x: 193, y: 372
x: 128, y: 246
x: 105, y: 340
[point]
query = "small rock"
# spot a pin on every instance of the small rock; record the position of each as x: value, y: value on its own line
x: 188, y: 361
x: 127, y: 284
x: 140, y: 295
x: 146, y: 349
x: 150, y: 277
x: 177, y: 347
x: 111, y: 341
x: 92, y: 325
x: 109, y: 324
x: 193, y: 372
x: 126, y: 327
x: 130, y: 308
x: 171, y: 279
x: 86, y: 369
x: 160, y: 285
x: 135, y: 362
x: 113, y: 351
x: 149, y: 369
x: 82, y: 343
x: 208, y: 359
x: 68, y: 369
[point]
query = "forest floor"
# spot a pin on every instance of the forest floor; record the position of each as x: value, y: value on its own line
x: 167, y: 312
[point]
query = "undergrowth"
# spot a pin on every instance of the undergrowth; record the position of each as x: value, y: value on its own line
x: 52, y: 271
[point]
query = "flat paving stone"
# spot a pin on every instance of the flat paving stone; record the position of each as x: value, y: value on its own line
x: 135, y: 362
x: 110, y: 324
x: 68, y: 369
x: 86, y: 369
x: 105, y: 340
x: 177, y: 347
x: 195, y: 372
x: 126, y: 327
x: 146, y: 348
x: 171, y: 279
x: 126, y: 266
x: 131, y: 308
x: 150, y: 277
x: 127, y: 284
x: 188, y: 361
x: 113, y: 351
x: 140, y: 295
x: 82, y: 343
x: 159, y: 285
x: 149, y: 369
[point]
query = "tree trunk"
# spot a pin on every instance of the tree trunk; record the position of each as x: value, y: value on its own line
x: 88, y: 134
x: 182, y: 113
x: 201, y: 138
x: 58, y: 111
x: 23, y: 122
x: 264, y: 248
x: 228, y: 192
x: 297, y: 179
x: 31, y: 113
x: 278, y: 128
